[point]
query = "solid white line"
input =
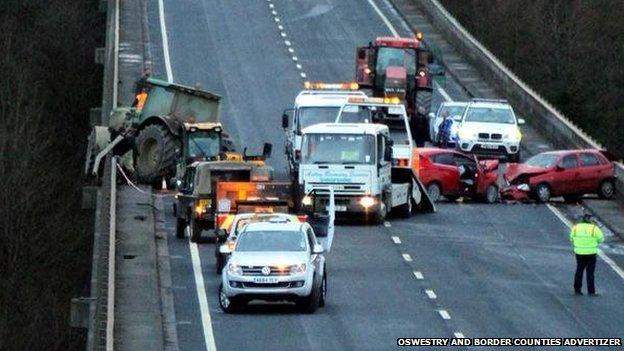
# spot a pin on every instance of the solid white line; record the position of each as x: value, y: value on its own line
x: 396, y: 239
x: 444, y: 314
x: 431, y: 294
x: 384, y: 18
x: 617, y: 269
x: 407, y: 257
x: 116, y: 56
x: 203, y: 300
x: 165, y: 40
x: 418, y: 275
x: 459, y: 335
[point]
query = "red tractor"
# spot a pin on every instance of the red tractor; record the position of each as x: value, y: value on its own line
x: 396, y: 68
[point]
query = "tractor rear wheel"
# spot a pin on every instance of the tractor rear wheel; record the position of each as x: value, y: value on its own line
x: 156, y: 153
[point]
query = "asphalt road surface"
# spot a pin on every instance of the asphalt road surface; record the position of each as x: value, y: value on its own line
x: 470, y: 269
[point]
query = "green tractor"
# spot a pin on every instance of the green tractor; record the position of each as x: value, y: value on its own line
x: 177, y: 125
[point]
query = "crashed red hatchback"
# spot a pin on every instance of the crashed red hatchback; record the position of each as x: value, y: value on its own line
x: 453, y: 174
x: 567, y: 173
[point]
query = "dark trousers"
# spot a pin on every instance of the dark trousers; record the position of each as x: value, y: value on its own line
x: 585, y: 262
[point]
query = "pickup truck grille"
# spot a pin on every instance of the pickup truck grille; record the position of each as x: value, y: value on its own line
x: 266, y: 285
x: 257, y: 270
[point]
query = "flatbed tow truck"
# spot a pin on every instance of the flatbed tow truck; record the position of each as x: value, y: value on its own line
x: 371, y: 168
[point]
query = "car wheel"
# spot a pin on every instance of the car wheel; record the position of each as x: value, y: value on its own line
x: 323, y: 291
x: 434, y: 192
x: 228, y: 304
x: 195, y: 231
x: 180, y: 227
x: 606, y: 189
x: 492, y: 194
x: 542, y: 192
x: 310, y: 303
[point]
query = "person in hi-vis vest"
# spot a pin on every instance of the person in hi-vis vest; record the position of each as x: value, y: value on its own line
x: 585, y: 237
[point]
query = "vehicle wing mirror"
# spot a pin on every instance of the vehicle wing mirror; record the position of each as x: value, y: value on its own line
x: 388, y: 153
x: 521, y: 121
x: 559, y: 168
x: 267, y: 149
x: 225, y: 249
x: 221, y: 235
x: 285, y: 121
x: 317, y: 249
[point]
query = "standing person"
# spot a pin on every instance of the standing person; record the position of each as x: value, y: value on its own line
x: 585, y: 237
x: 444, y: 129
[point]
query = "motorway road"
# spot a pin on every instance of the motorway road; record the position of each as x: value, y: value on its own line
x: 473, y: 269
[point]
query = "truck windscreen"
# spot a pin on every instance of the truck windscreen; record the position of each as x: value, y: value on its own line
x: 338, y: 149
x: 203, y: 144
x: 308, y: 116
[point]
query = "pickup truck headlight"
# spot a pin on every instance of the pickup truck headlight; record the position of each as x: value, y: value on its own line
x: 235, y: 269
x: 298, y: 268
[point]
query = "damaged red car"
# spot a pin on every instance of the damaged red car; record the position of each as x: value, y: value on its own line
x: 453, y: 174
x: 567, y: 173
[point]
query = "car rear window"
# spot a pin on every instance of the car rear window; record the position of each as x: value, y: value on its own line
x: 589, y: 159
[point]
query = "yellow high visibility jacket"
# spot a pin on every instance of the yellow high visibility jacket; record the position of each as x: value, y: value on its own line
x: 585, y: 237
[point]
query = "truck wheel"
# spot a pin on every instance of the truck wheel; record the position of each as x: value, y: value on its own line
x: 310, y: 303
x: 434, y: 192
x: 195, y: 230
x: 542, y: 192
x: 323, y: 291
x: 606, y: 189
x: 228, y: 304
x: 156, y: 153
x: 180, y: 227
x: 405, y: 210
x: 492, y: 194
x: 380, y: 216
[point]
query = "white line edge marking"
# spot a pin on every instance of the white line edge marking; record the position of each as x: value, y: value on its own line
x: 407, y: 257
x: 204, y: 308
x: 203, y: 300
x: 444, y: 314
x: 459, y: 335
x: 165, y: 40
x: 394, y: 32
x: 617, y: 269
x: 396, y: 239
x: 431, y: 294
x: 418, y: 275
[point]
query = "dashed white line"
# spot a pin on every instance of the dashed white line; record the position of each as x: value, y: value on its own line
x: 274, y: 13
x: 287, y: 42
x: 276, y: 19
x: 291, y: 50
x: 431, y: 294
x: 298, y: 66
x: 444, y: 314
x: 303, y: 75
x: 407, y: 257
x: 396, y: 239
x: 294, y: 58
x: 459, y: 335
x: 271, y: 6
x: 418, y: 275
x: 283, y: 34
x: 280, y: 27
x: 617, y: 269
x: 387, y: 224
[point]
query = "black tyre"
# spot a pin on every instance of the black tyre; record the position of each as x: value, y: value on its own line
x: 196, y: 230
x: 229, y: 304
x: 180, y: 227
x: 380, y: 216
x: 156, y: 153
x: 542, y: 192
x: 515, y: 158
x: 606, y: 190
x: 405, y: 210
x: 310, y: 303
x: 492, y: 194
x: 434, y: 191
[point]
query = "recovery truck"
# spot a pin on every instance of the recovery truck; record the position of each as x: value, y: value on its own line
x: 397, y: 69
x: 195, y: 204
x: 318, y: 103
x: 371, y: 169
x: 176, y: 126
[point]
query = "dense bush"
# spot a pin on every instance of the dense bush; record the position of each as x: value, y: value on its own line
x: 48, y: 83
x: 571, y: 51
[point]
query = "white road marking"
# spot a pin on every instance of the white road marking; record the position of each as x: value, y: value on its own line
x: 295, y: 58
x: 276, y: 19
x: 387, y: 224
x: 418, y: 275
x: 303, y: 75
x: 280, y: 27
x: 407, y: 257
x: 396, y: 239
x: 274, y: 13
x: 271, y: 6
x: 459, y: 335
x: 185, y: 322
x: 283, y: 34
x: 431, y: 294
x: 444, y: 314
x: 394, y: 32
x: 617, y: 269
x: 165, y: 40
x: 298, y: 66
x: 287, y: 42
x: 203, y: 300
x: 291, y: 50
